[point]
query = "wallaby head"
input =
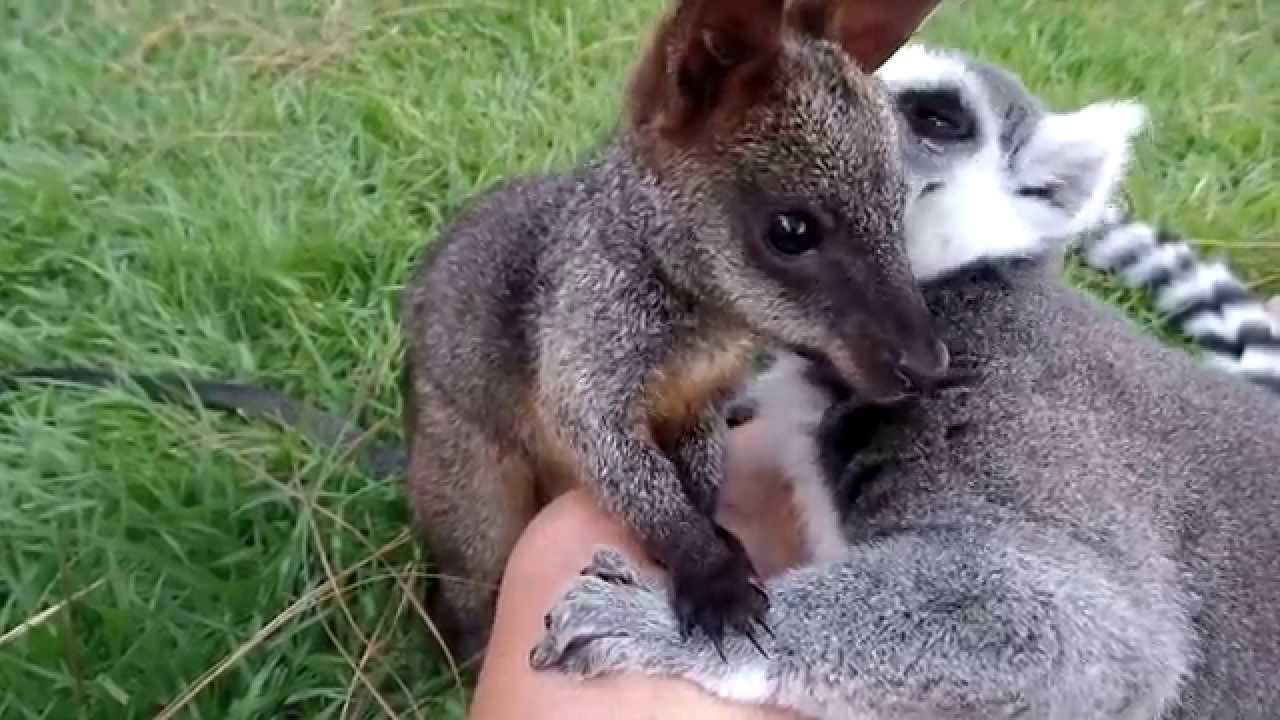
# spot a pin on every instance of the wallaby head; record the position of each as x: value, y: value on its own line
x: 991, y: 172
x: 778, y: 153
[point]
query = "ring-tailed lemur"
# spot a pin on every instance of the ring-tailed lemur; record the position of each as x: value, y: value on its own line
x: 1086, y: 530
x: 1202, y: 299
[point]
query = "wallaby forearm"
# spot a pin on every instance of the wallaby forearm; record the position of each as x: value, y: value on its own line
x: 641, y: 486
x: 597, y: 407
x: 658, y: 473
x: 698, y: 456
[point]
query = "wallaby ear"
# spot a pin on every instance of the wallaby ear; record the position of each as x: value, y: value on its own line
x: 1075, y: 161
x: 870, y: 32
x: 710, y: 60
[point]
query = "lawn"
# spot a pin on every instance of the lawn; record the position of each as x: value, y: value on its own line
x: 235, y: 188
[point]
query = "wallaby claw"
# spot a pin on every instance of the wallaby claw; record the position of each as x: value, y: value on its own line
x: 719, y: 646
x: 765, y: 627
x: 718, y: 596
x: 746, y: 630
x: 686, y: 628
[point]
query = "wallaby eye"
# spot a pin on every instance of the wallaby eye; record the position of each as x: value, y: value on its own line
x: 794, y: 233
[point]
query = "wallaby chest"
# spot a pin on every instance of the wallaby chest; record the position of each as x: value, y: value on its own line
x: 694, y: 378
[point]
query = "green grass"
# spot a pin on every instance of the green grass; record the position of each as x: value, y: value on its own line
x: 235, y: 188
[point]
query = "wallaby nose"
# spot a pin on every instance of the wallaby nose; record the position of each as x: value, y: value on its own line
x: 924, y: 367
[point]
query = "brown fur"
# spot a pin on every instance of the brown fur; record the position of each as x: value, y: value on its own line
x: 582, y: 328
x: 869, y: 31
x: 678, y: 392
x: 558, y: 472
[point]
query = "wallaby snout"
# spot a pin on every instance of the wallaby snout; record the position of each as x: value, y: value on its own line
x: 923, y: 369
x: 921, y: 359
x: 891, y: 358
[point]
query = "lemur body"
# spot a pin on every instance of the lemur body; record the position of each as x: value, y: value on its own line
x: 1085, y: 531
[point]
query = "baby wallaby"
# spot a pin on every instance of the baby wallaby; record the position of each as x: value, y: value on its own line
x: 585, y: 328
x: 1086, y: 530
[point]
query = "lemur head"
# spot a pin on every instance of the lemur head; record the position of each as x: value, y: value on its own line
x: 991, y: 172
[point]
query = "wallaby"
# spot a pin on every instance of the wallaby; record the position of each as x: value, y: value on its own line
x: 585, y: 328
x: 1087, y: 530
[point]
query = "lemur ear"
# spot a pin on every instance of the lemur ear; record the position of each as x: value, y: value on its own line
x: 870, y: 32
x: 709, y: 61
x: 1075, y: 161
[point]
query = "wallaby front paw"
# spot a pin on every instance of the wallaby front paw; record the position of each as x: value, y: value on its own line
x: 611, y: 620
x: 715, y: 596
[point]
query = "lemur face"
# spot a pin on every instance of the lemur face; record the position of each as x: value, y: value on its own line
x: 991, y: 172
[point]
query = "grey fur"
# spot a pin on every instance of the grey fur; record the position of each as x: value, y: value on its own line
x: 1087, y: 530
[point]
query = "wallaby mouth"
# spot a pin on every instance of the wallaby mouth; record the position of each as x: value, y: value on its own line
x: 880, y: 371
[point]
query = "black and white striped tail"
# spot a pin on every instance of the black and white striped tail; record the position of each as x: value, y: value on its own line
x: 1202, y: 299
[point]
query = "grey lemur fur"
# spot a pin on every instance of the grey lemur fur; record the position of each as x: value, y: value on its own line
x: 585, y: 328
x: 1086, y: 530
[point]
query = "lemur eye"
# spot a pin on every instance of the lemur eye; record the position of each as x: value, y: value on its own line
x: 937, y: 115
x: 1040, y: 192
x: 794, y: 233
x: 939, y: 124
